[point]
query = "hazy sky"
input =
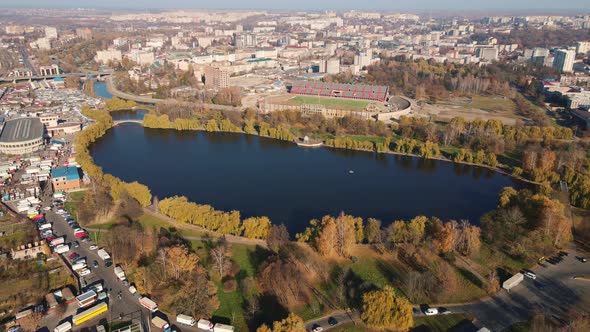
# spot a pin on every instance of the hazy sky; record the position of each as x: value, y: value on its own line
x: 311, y: 4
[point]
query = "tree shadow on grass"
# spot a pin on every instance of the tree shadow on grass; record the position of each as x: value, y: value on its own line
x: 270, y: 310
x: 470, y: 276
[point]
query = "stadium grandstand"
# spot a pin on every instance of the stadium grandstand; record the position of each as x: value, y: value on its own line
x: 340, y: 90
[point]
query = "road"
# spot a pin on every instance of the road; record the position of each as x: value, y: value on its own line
x: 342, y: 317
x: 560, y: 293
x: 111, y: 88
x: 26, y: 60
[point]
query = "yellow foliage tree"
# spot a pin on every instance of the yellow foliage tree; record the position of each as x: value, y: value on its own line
x: 383, y: 309
x: 256, y: 227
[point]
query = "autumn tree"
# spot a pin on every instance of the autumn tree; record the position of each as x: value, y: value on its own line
x: 256, y: 227
x: 345, y: 236
x: 197, y: 297
x: 283, y: 279
x: 373, y: 231
x: 383, y: 309
x: 292, y: 323
x: 278, y: 236
x: 179, y: 261
x: 326, y: 240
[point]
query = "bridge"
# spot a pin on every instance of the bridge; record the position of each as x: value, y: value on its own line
x: 118, y: 122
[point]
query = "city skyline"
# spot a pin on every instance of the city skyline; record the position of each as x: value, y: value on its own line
x: 313, y: 5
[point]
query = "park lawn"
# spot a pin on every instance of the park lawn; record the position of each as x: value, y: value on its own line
x: 338, y: 103
x: 440, y: 323
x: 231, y: 308
x: 73, y: 200
x: 359, y: 138
x: 489, y: 257
x: 470, y: 287
x: 494, y: 104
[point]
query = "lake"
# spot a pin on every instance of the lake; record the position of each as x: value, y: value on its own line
x: 291, y: 185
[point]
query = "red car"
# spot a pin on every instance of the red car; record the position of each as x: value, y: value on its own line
x: 73, y: 255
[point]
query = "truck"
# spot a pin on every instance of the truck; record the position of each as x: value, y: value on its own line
x: 64, y: 327
x: 120, y: 273
x: 513, y: 281
x: 204, y: 324
x: 223, y: 328
x: 57, y: 241
x: 185, y: 320
x: 149, y: 304
x: 161, y: 324
x: 62, y: 248
x: 104, y: 255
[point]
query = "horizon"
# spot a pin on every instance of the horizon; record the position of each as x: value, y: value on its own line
x: 310, y: 5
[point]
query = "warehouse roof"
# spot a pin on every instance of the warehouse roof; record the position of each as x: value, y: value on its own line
x: 21, y: 130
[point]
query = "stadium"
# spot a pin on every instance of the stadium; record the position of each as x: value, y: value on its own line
x: 21, y: 136
x: 339, y: 100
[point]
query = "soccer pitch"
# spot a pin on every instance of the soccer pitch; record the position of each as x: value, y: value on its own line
x: 336, y: 103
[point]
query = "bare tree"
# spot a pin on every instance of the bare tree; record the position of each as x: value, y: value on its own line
x: 221, y: 261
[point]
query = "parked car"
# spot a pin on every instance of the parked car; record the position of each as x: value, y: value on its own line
x: 431, y: 312
x: 582, y: 259
x: 318, y: 329
x: 85, y: 239
x: 332, y: 321
x: 84, y: 272
x: 15, y: 328
x: 563, y: 253
x: 76, y: 244
x: 73, y: 256
x: 95, y: 264
x: 93, y: 247
x: 530, y: 275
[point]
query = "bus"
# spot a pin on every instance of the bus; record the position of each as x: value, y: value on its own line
x: 90, y: 313
x: 86, y: 299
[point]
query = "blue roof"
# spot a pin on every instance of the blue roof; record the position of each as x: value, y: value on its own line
x: 70, y: 173
x: 58, y: 79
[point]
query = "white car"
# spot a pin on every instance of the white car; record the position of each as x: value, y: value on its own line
x: 530, y: 275
x: 84, y: 272
x: 431, y: 312
x: 93, y: 247
x: 47, y: 208
x: 318, y: 329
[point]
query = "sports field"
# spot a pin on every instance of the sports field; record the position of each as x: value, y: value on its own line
x: 337, y: 103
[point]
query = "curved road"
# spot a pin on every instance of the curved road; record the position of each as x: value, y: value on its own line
x: 149, y: 100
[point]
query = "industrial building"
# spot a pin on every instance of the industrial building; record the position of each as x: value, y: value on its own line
x: 65, y: 178
x: 21, y: 136
x: 350, y: 91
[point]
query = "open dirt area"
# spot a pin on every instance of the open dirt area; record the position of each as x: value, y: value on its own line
x: 481, y: 107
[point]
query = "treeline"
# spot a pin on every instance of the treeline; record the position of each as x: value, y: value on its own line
x: 526, y: 226
x: 533, y: 37
x: 180, y: 209
x: 432, y: 81
x: 117, y: 104
x: 104, y: 121
x: 579, y: 187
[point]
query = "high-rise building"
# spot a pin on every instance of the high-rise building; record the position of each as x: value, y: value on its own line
x: 217, y: 78
x: 330, y: 66
x: 245, y: 39
x: 564, y: 60
x: 362, y: 59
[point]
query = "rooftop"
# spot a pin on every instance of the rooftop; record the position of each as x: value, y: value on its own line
x: 70, y: 173
x: 19, y: 130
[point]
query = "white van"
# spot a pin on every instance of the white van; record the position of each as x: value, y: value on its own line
x: 185, y: 320
x: 64, y: 327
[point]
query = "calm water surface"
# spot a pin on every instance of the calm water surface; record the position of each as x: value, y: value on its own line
x: 292, y: 185
x: 100, y: 89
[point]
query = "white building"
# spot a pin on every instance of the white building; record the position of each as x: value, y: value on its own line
x: 564, y: 60
x: 582, y: 47
x: 362, y: 59
x: 108, y: 55
x: 51, y: 32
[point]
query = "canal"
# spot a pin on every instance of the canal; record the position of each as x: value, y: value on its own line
x: 291, y: 185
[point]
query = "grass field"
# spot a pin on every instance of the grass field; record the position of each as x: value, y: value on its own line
x: 74, y: 199
x: 441, y: 323
x: 338, y: 103
x: 492, y: 104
